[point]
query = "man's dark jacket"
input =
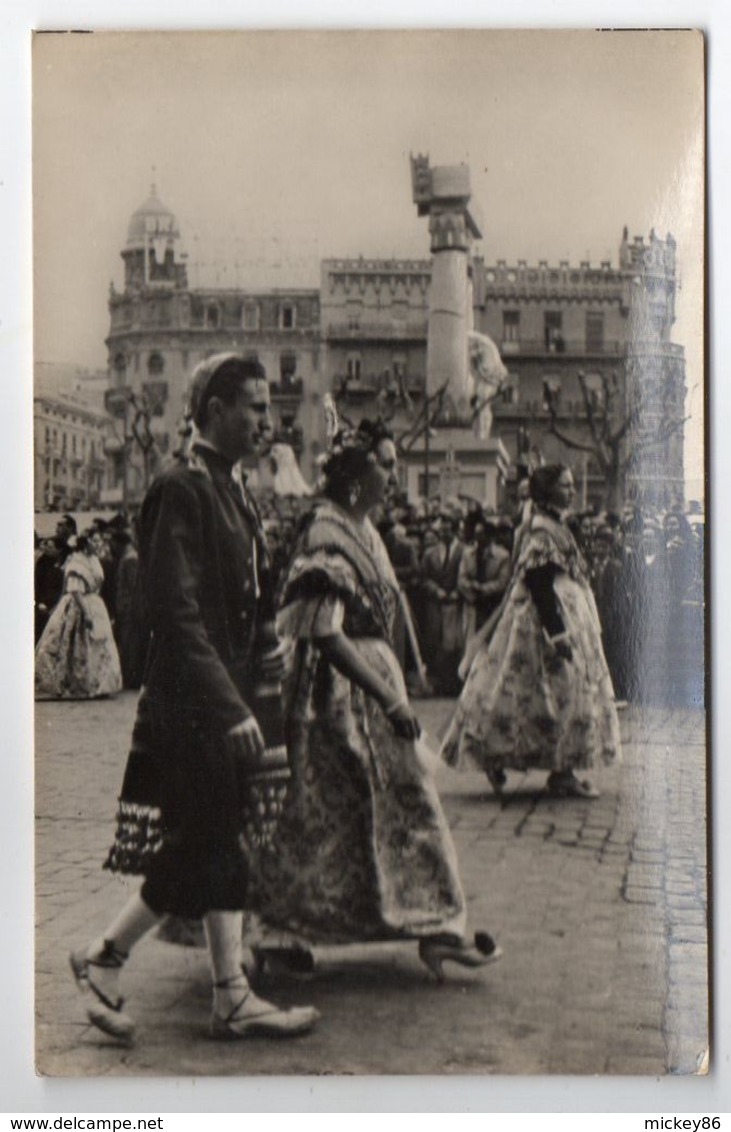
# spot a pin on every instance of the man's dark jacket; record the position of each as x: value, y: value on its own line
x: 201, y: 569
x: 202, y: 564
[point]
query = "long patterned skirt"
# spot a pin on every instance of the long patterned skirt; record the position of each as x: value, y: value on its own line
x: 362, y: 851
x: 522, y: 706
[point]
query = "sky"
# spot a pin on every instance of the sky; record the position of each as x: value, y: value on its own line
x: 274, y: 149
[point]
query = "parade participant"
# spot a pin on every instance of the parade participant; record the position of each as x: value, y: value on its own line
x: 195, y: 737
x: 76, y: 657
x: 362, y: 851
x: 538, y: 692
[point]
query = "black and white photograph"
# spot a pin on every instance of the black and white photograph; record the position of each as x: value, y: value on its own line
x: 370, y: 553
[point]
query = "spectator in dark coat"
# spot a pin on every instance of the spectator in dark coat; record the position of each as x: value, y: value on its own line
x: 48, y: 581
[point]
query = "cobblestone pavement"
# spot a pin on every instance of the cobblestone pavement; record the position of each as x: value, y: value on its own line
x: 600, y: 908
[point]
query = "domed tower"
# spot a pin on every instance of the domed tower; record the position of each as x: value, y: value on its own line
x: 147, y: 352
x: 152, y: 253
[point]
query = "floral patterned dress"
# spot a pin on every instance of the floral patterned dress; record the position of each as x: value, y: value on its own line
x: 76, y: 657
x: 523, y: 706
x: 362, y: 851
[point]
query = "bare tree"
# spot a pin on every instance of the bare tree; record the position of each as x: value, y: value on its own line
x: 621, y: 429
x: 429, y: 415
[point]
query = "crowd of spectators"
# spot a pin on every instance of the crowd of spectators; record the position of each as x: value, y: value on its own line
x: 453, y: 560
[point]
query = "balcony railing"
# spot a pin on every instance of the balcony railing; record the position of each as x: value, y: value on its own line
x: 527, y: 347
x: 579, y: 347
x: 292, y: 387
x: 395, y: 329
x: 371, y: 384
x: 565, y: 410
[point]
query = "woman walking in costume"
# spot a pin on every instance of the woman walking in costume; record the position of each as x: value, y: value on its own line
x: 538, y: 693
x: 362, y: 851
x: 76, y: 657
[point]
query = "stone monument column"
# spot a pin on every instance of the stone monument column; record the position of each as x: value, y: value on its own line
x: 443, y: 193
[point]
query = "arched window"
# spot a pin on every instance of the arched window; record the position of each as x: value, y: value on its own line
x: 353, y: 369
x: 251, y: 316
x: 287, y: 368
x: 155, y: 364
x: 120, y: 367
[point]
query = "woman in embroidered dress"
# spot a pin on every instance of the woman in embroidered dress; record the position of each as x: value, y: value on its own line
x: 76, y: 657
x: 538, y: 692
x: 362, y: 851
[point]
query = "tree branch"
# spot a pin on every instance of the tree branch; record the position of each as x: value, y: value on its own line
x: 578, y: 445
x: 550, y: 398
x: 425, y: 419
x: 599, y: 438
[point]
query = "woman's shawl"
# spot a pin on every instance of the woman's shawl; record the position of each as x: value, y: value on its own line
x: 83, y: 573
x: 548, y: 541
x: 336, y: 558
x: 543, y: 540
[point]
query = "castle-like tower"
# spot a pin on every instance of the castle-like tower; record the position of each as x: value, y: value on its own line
x: 552, y: 322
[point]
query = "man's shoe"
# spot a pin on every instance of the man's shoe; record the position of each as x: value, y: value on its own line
x: 101, y: 1011
x: 253, y: 1017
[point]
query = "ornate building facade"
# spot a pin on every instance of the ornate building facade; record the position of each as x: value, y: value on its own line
x: 160, y: 328
x: 69, y: 441
x: 611, y: 325
x: 363, y: 336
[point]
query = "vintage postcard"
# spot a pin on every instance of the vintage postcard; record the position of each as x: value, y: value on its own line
x: 370, y: 543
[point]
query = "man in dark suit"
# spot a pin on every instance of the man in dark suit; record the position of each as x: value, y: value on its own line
x: 203, y: 564
x: 48, y: 582
x: 445, y: 639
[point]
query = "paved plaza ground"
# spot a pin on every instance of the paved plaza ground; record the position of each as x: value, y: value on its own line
x: 600, y: 908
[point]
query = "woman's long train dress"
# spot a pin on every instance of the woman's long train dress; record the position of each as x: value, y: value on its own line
x: 522, y: 705
x: 76, y: 657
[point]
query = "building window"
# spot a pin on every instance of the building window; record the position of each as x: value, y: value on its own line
x: 287, y: 368
x: 594, y: 332
x: 353, y: 310
x: 553, y: 332
x: 251, y: 316
x: 213, y: 317
x: 287, y: 317
x: 353, y: 367
x: 595, y: 390
x: 511, y: 326
x: 120, y: 367
x: 155, y: 364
